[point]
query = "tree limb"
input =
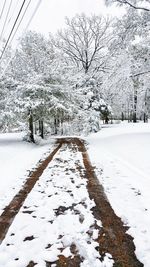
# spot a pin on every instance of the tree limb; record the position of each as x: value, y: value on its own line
x: 131, y: 5
x: 140, y: 73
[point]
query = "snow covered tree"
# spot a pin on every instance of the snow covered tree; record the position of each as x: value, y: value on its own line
x: 7, y: 85
x: 52, y: 90
x: 131, y: 64
x: 41, y: 104
x: 8, y: 121
x: 125, y: 86
x: 85, y: 41
x: 33, y: 58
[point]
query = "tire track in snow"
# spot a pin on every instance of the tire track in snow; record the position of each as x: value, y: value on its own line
x: 113, y: 238
x: 14, y: 206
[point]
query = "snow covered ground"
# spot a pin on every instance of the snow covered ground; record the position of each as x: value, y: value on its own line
x: 56, y: 214
x: 121, y: 154
x: 17, y: 158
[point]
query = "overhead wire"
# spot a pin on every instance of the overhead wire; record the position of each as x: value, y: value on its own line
x: 5, y: 20
x: 12, y: 29
x: 3, y: 9
x: 11, y: 15
x: 30, y: 20
x: 20, y: 21
x: 36, y: 8
x: 14, y: 9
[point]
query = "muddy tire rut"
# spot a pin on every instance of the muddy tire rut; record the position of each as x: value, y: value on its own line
x: 14, y: 206
x: 113, y: 237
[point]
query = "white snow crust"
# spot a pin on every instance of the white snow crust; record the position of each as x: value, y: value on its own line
x: 121, y: 154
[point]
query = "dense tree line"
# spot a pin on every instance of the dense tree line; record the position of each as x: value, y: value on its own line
x: 94, y: 69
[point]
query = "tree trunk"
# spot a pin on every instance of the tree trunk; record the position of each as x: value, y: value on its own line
x: 35, y: 128
x: 106, y: 119
x: 55, y: 126
x: 131, y: 116
x: 134, y: 117
x: 61, y: 126
x: 31, y: 133
x: 41, y: 128
x: 135, y: 84
x: 122, y: 116
x: 86, y: 62
x: 145, y: 118
x: 135, y: 106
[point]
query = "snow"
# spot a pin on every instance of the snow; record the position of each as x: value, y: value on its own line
x: 121, y: 154
x: 56, y: 214
x: 16, y: 160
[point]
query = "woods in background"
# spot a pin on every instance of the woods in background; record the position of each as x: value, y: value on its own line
x: 94, y: 69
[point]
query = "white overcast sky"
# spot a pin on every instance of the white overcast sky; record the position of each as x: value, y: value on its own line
x: 49, y: 17
x: 51, y: 13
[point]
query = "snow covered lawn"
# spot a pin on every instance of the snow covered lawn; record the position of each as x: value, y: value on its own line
x: 17, y: 158
x: 121, y: 154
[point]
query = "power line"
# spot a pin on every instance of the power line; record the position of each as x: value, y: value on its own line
x: 14, y: 9
x: 30, y: 20
x: 12, y: 13
x: 12, y: 29
x: 3, y: 9
x: 20, y: 21
x: 5, y: 20
x: 36, y: 8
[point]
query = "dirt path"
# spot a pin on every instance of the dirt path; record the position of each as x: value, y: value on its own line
x: 112, y: 239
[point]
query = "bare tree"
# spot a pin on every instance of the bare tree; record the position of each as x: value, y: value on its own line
x: 85, y: 40
x: 131, y: 3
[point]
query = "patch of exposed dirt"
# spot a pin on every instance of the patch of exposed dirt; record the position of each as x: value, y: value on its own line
x: 67, y: 262
x: 31, y: 264
x: 29, y: 238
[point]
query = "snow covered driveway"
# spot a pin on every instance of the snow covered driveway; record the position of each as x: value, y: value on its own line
x: 65, y: 219
x: 121, y: 154
x: 56, y: 220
